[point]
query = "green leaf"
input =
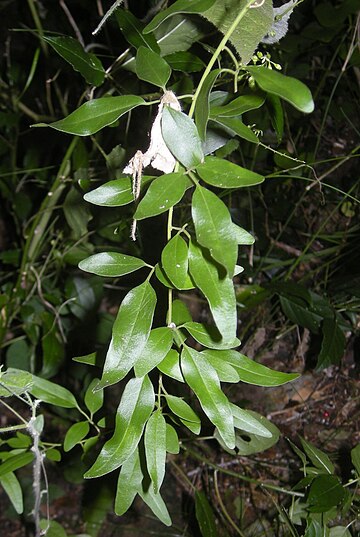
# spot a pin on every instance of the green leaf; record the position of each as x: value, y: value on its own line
x: 112, y: 194
x: 202, y: 108
x: 130, y: 333
x: 162, y: 277
x: 225, y: 371
x: 180, y: 312
x: 298, y: 311
x: 209, y: 336
x: 87, y: 64
x: 214, y: 227
x: 75, y: 434
x: 155, y: 448
x: 203, y: 380
x: 181, y: 409
x: 156, y: 348
x: 238, y: 106
x: 253, y: 27
x: 156, y: 504
x: 129, y: 483
x: 225, y: 174
x: 77, y: 213
x: 181, y: 137
x: 15, y: 382
x: 164, y: 192
x: 355, y: 458
x: 52, y: 528
x: 247, y: 422
x: 174, y: 259
x: 180, y: 6
x: 152, y: 68
x: 172, y: 440
x: 339, y: 531
x: 290, y: 89
x: 178, y: 33
x: 325, y: 492
x: 94, y: 115
x: 14, y: 462
x: 243, y: 236
x: 132, y: 30
x: 234, y: 126
x: 333, y: 344
x: 170, y: 366
x: 219, y: 292
x: 184, y: 61
x: 52, y: 393
x: 88, y: 359
x: 11, y: 485
x: 318, y: 458
x: 276, y: 115
x: 205, y: 515
x: 111, y: 264
x: 252, y: 372
x: 136, y: 405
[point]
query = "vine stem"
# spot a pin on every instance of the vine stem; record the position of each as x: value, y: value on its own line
x: 217, y: 53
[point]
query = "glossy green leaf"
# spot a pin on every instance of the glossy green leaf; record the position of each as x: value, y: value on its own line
x: 52, y: 393
x: 132, y: 30
x: 170, y: 365
x: 205, y: 515
x: 318, y: 458
x: 156, y: 348
x: 214, y: 228
x: 290, y: 89
x: 219, y: 292
x: 325, y: 492
x: 234, y: 126
x: 15, y: 382
x: 93, y: 400
x: 181, y: 409
x: 195, y: 428
x: 174, y: 259
x: 152, y: 68
x: 202, y: 109
x: 172, y: 440
x: 226, y: 372
x: 111, y: 264
x: 87, y: 64
x: 238, y: 106
x: 136, y: 405
x: 130, y: 333
x: 164, y: 192
x: 247, y: 422
x: 178, y: 33
x: 75, y: 434
x: 243, y: 236
x: 15, y: 462
x: 184, y: 61
x: 203, y: 380
x: 180, y: 312
x: 94, y: 115
x: 162, y: 277
x: 155, y: 448
x: 180, y: 6
x: 129, y: 483
x: 252, y: 372
x: 112, y: 194
x: 254, y: 25
x: 355, y: 458
x: 226, y: 174
x: 156, y: 504
x: 53, y: 454
x: 209, y: 336
x: 333, y: 344
x: 251, y: 443
x: 88, y: 359
x: 11, y: 485
x: 181, y: 137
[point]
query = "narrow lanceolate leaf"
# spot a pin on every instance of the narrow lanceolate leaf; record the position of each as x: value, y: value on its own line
x: 12, y: 487
x: 202, y: 108
x: 290, y: 89
x: 205, y: 515
x: 112, y: 194
x: 247, y: 422
x: 75, y: 434
x: 136, y: 405
x: 163, y: 193
x: 156, y: 348
x: 203, y: 380
x: 130, y: 333
x: 111, y: 264
x: 225, y: 174
x: 243, y: 236
x: 155, y: 449
x: 15, y: 462
x: 318, y: 458
x: 226, y: 372
x: 94, y: 115
x: 52, y: 393
x: 184, y: 61
x: 175, y: 262
x: 181, y: 409
x: 236, y: 127
x: 156, y: 504
x: 93, y: 400
x: 87, y: 64
x: 172, y: 440
x: 219, y: 292
x: 132, y: 30
x: 181, y: 137
x: 252, y: 372
x: 170, y: 365
x: 15, y: 382
x: 180, y: 6
x: 129, y: 483
x: 238, y: 106
x: 333, y: 344
x: 213, y: 227
x: 209, y: 336
x: 152, y: 68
